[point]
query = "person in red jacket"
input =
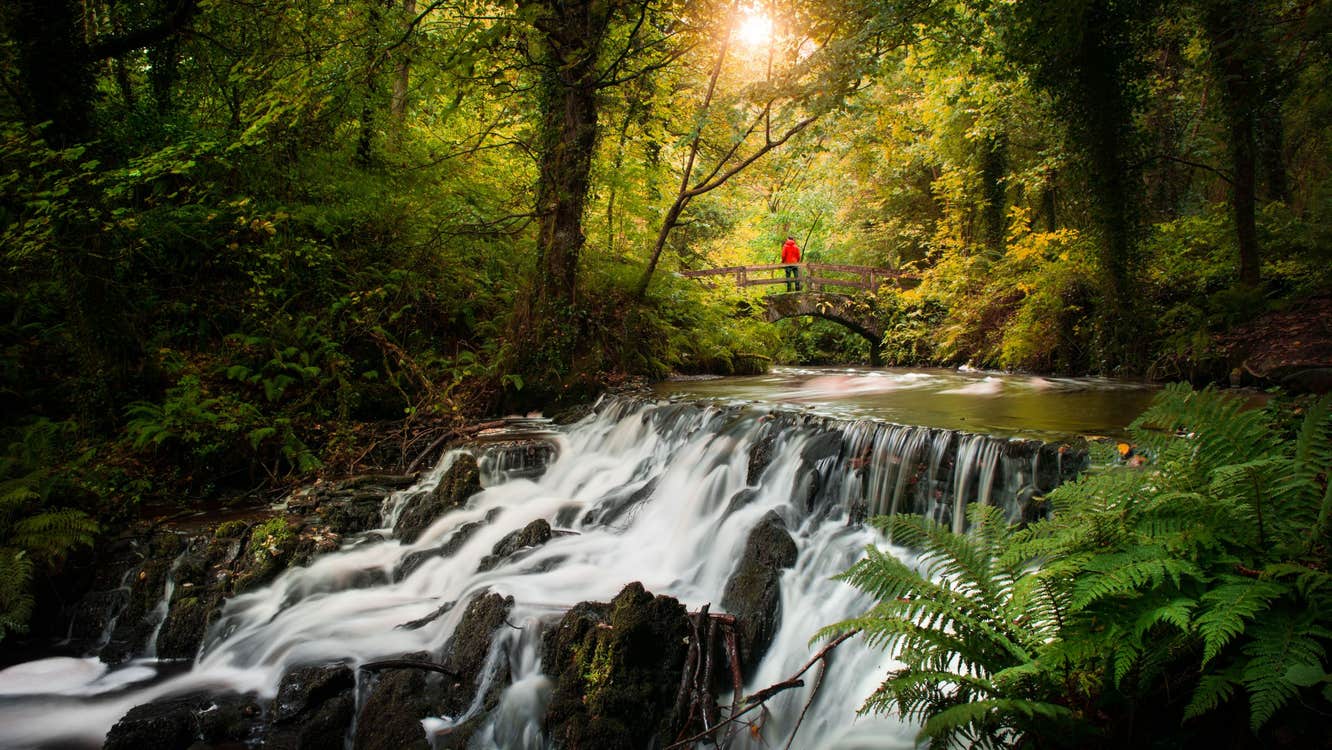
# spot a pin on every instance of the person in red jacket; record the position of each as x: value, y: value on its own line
x: 791, y: 256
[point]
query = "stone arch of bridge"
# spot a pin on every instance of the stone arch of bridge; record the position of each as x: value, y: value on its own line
x: 838, y: 308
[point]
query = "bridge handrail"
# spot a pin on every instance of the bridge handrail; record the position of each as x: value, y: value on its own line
x: 869, y: 276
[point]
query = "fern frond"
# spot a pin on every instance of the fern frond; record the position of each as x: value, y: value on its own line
x: 1176, y: 612
x: 1225, y: 608
x: 1212, y: 691
x: 16, y: 600
x: 983, y: 718
x: 1279, y: 643
x: 1126, y: 572
x: 1218, y: 429
x: 53, y: 533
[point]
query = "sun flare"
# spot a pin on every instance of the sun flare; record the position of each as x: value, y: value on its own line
x: 755, y: 29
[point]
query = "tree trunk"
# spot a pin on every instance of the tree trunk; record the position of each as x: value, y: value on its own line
x: 365, y: 140
x: 55, y: 72
x: 398, y: 104
x: 1232, y: 48
x: 994, y: 166
x: 571, y: 35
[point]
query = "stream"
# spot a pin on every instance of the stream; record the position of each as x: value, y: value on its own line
x: 662, y: 490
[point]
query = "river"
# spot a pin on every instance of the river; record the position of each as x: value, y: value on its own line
x: 664, y: 491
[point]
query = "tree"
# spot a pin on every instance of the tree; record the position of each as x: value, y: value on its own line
x: 1087, y: 56
x: 55, y: 78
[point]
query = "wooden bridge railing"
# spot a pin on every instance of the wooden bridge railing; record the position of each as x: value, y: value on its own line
x: 813, y: 276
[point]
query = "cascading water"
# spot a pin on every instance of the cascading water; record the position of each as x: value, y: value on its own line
x: 661, y: 493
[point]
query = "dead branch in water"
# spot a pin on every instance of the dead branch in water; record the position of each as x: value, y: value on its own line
x: 760, y: 697
x: 429, y: 666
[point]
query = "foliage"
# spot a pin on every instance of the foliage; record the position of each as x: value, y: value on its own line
x: 1185, y: 590
x: 37, y: 527
x: 967, y: 624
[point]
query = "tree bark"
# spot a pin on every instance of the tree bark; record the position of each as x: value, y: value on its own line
x: 994, y: 166
x: 398, y: 104
x: 570, y: 37
x: 55, y: 69
x: 1232, y: 50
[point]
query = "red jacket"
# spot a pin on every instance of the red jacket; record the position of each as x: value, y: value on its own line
x: 790, y: 252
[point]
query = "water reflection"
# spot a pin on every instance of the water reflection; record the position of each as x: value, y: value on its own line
x: 973, y: 400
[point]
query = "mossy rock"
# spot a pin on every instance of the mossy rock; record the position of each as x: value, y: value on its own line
x: 534, y: 534
x: 753, y: 592
x: 617, y: 670
x: 460, y: 482
x: 394, y: 707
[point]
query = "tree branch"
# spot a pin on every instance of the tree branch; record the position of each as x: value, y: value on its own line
x: 116, y: 46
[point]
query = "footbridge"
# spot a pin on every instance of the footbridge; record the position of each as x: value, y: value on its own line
x: 835, y: 292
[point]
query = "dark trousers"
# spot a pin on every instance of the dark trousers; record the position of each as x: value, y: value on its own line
x: 792, y: 272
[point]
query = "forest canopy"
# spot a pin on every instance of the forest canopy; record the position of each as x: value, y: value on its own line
x: 236, y: 233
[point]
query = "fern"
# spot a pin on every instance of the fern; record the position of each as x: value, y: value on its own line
x: 16, y: 600
x: 34, y: 534
x: 1227, y: 607
x: 1279, y: 643
x: 1208, y: 568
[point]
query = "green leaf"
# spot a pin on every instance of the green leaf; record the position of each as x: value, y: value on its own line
x: 1307, y: 675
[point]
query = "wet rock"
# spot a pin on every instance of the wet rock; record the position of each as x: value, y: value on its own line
x: 391, y: 716
x: 459, y: 483
x: 527, y: 458
x: 467, y: 654
x: 198, y: 595
x: 469, y: 647
x: 572, y: 414
x: 314, y: 708
x: 450, y: 547
x: 617, y: 668
x: 760, y: 455
x: 533, y: 534
x: 183, y: 721
x: 612, y: 509
x: 303, y: 689
x: 231, y: 720
x: 135, y: 625
x: 824, y: 445
x: 740, y: 499
x: 353, y: 517
x: 271, y: 548
x: 753, y: 593
x: 165, y: 724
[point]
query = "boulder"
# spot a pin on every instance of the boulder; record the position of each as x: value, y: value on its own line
x: 753, y: 592
x: 134, y: 625
x: 454, y: 543
x: 466, y: 655
x: 182, y: 721
x: 391, y: 717
x: 460, y: 482
x: 533, y: 534
x: 617, y: 669
x: 313, y: 709
x: 165, y: 724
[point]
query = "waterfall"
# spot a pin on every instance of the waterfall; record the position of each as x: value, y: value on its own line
x: 159, y: 613
x: 657, y: 492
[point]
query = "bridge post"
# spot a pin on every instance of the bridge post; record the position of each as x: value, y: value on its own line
x: 876, y: 356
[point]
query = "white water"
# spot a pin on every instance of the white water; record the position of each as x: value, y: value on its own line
x: 681, y: 540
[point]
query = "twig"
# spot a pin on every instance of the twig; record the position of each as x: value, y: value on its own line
x: 737, y: 680
x: 759, y: 698
x: 457, y: 432
x: 430, y: 666
x: 818, y: 682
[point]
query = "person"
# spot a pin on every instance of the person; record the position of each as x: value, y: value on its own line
x: 791, y: 256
